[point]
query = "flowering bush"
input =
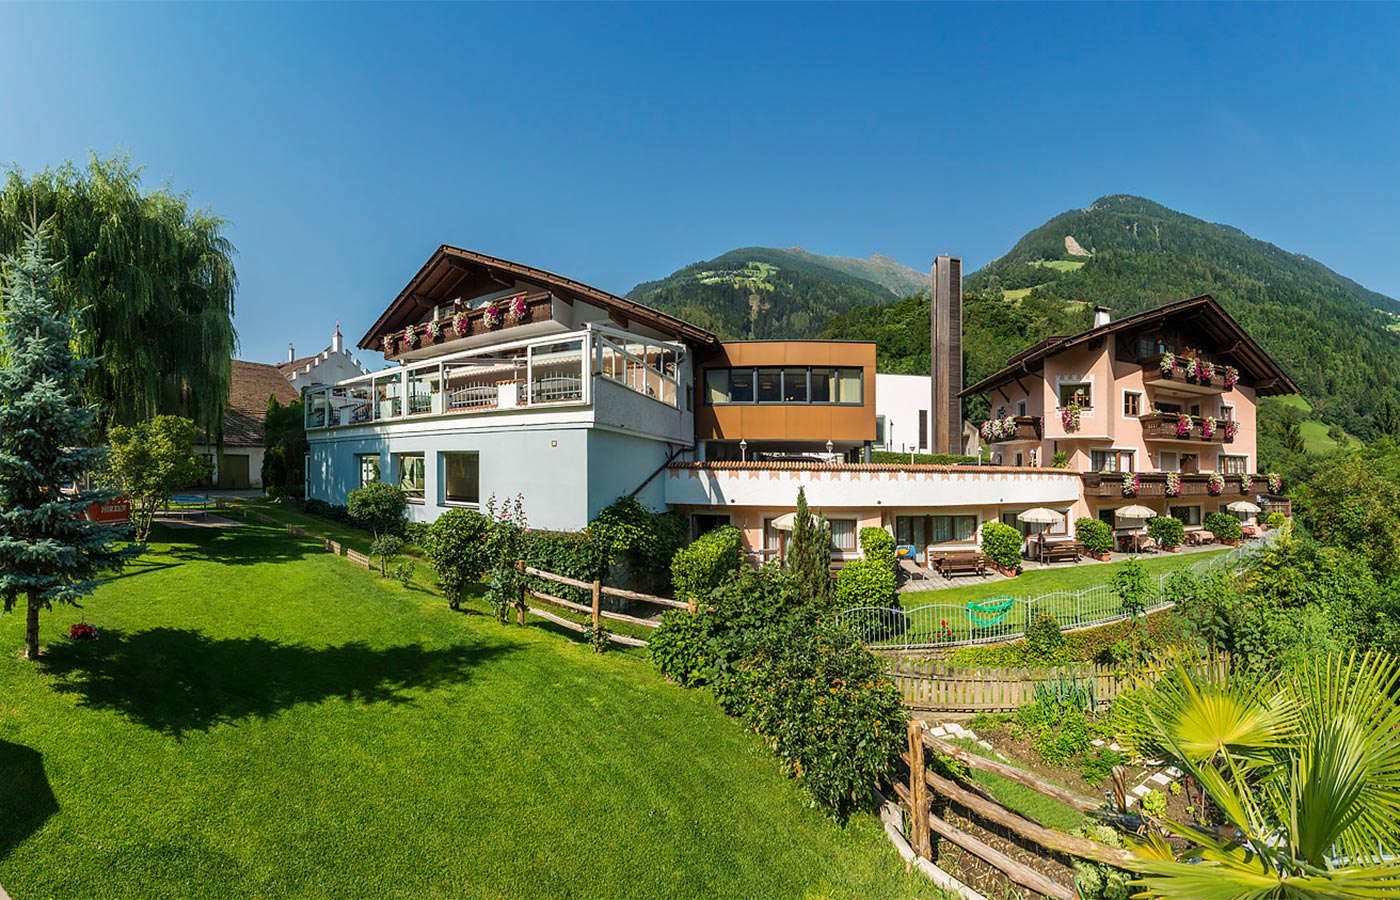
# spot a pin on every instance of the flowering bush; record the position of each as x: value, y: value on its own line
x: 1208, y: 427
x: 1183, y: 425
x: 82, y: 631
x: 1173, y: 485
x: 1231, y: 426
x: 1168, y: 364
x: 1069, y: 417
x: 1275, y: 483
x: 519, y: 310
x: 410, y: 337
x: 1215, y: 484
x: 1232, y: 377
x: 1131, y: 484
x: 434, y: 330
x: 461, y: 324
x: 494, y: 315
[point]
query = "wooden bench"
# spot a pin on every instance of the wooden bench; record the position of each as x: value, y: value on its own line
x: 962, y: 564
x: 1060, y: 551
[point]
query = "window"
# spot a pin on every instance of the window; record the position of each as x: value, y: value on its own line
x: 1111, y: 460
x: 1162, y: 406
x: 703, y: 523
x: 1195, y: 410
x: 879, y: 431
x: 1077, y: 393
x: 843, y: 534
x: 793, y: 384
x: 923, y: 428
x: 1020, y: 407
x: 461, y: 478
x: 1189, y: 515
x: 1020, y: 459
x: 411, y: 472
x: 369, y: 468
x: 1232, y: 465
x: 952, y: 528
x: 1132, y: 403
x: 1169, y: 461
x: 1227, y: 412
x: 774, y: 541
x: 650, y: 369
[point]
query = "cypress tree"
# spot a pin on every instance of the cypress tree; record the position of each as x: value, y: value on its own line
x: 49, y: 553
x: 809, y: 560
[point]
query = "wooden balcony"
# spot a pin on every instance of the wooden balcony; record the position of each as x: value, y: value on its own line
x: 1027, y: 429
x: 1164, y: 427
x: 538, y: 308
x: 1153, y: 485
x: 1178, y: 378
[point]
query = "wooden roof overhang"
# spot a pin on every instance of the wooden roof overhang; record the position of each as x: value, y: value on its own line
x: 1203, y: 314
x: 452, y: 272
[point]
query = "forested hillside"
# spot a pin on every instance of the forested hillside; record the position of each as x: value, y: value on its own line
x: 1130, y: 254
x: 761, y: 292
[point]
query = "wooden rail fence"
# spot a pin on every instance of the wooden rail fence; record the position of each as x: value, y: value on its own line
x: 933, y: 685
x: 923, y: 821
x: 597, y: 590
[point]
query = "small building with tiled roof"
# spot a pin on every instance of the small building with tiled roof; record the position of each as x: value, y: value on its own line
x: 250, y: 386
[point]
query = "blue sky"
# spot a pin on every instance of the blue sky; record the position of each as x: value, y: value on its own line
x: 616, y: 143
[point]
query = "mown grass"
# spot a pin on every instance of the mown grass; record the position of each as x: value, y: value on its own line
x: 262, y: 719
x: 1019, y: 798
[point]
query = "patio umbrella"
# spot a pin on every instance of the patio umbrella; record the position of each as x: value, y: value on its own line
x: 1135, y: 513
x: 1243, y: 506
x: 785, y: 521
x: 1040, y: 516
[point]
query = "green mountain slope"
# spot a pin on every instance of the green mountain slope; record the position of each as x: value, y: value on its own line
x: 763, y: 292
x: 1328, y: 332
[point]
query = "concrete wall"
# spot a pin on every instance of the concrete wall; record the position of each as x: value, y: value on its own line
x: 900, y: 398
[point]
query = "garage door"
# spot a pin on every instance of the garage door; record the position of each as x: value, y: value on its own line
x: 233, y: 474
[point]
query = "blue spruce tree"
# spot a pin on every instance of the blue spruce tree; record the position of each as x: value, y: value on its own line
x: 49, y: 553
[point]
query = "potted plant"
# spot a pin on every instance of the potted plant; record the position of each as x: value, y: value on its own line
x: 388, y: 345
x: 1173, y: 486
x: 461, y: 324
x: 1095, y: 536
x: 1206, y: 372
x: 1069, y: 417
x: 1208, y: 427
x: 1131, y: 484
x: 410, y: 337
x: 82, y: 631
x: 1275, y: 483
x: 987, y: 431
x: 1168, y: 532
x: 1231, y: 426
x: 518, y: 310
x: 1183, y: 425
x: 1232, y: 377
x: 1008, y: 427
x: 495, y: 315
x: 1215, y: 483
x: 433, y: 332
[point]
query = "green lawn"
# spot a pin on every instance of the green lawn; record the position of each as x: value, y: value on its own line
x: 263, y: 719
x: 1019, y: 798
x: 1315, y: 437
x: 1060, y: 265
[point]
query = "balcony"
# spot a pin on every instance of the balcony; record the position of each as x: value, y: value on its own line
x: 1022, y: 428
x: 1178, y: 376
x: 1160, y: 426
x: 1154, y: 485
x: 501, y: 316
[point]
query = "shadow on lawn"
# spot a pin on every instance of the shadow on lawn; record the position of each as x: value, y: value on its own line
x: 26, y: 801
x: 175, y: 680
x: 242, y: 546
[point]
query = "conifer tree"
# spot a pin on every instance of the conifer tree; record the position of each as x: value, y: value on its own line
x: 809, y: 559
x: 49, y: 553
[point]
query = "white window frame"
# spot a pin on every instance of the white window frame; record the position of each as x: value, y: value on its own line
x: 1123, y: 404
x: 442, y: 480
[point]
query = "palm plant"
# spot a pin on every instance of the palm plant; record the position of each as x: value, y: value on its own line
x: 1305, y: 773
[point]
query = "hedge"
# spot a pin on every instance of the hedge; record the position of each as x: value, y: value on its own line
x: 1002, y: 544
x: 1224, y: 526
x: 706, y: 563
x: 865, y: 582
x: 456, y: 547
x: 1167, y: 531
x: 877, y: 544
x: 1094, y: 534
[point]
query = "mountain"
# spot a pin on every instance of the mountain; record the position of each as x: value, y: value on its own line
x: 764, y: 292
x: 1337, y: 339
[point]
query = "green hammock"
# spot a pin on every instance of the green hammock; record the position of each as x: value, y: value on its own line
x: 994, y: 611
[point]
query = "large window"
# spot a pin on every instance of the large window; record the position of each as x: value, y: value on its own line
x: 411, y: 474
x: 461, y: 478
x: 1111, y: 460
x: 1079, y: 393
x: 369, y: 468
x: 1233, y: 465
x: 1189, y: 515
x: 843, y: 534
x: 922, y: 530
x: 796, y: 385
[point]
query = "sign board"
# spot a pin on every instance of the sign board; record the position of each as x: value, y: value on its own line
x: 116, y: 511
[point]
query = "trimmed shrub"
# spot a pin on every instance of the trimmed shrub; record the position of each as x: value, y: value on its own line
x: 1224, y: 526
x: 1002, y: 544
x: 1094, y: 534
x: 706, y: 563
x: 877, y: 544
x: 1167, y: 531
x: 456, y: 547
x: 330, y: 511
x: 1044, y: 640
x: 1275, y: 520
x: 378, y: 506
x: 415, y: 532
x: 680, y: 647
x: 865, y: 582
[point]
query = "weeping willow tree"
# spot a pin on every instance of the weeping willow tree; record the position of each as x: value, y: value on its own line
x: 148, y: 282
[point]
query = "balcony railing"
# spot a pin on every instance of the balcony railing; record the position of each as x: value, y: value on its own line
x: 1184, y: 373
x: 504, y: 314
x: 1155, y: 485
x: 1012, y: 428
x: 1160, y: 426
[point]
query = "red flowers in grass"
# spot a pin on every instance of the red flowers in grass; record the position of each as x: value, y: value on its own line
x: 82, y: 631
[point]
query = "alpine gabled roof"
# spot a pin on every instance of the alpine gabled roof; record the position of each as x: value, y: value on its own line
x: 1206, y: 314
x: 437, y: 283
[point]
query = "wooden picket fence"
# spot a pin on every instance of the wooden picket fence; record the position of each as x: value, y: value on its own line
x: 934, y: 685
x: 597, y: 590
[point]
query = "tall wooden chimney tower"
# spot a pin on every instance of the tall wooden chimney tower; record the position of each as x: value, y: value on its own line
x: 945, y: 346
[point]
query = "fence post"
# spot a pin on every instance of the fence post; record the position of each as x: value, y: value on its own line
x: 918, y: 792
x: 520, y: 604
x: 597, y: 602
